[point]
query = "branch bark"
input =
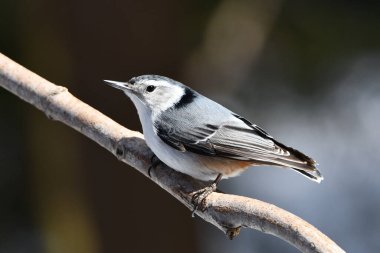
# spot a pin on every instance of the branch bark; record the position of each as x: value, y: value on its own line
x: 228, y: 212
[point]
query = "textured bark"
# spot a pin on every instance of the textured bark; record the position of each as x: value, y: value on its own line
x: 228, y: 212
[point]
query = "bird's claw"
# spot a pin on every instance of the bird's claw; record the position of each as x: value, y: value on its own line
x: 199, y: 198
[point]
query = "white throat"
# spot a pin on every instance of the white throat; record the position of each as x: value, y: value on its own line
x: 142, y: 109
x: 146, y: 119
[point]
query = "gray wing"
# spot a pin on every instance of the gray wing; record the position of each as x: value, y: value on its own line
x: 234, y: 138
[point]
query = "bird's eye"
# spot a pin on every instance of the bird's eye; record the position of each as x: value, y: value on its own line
x: 150, y: 88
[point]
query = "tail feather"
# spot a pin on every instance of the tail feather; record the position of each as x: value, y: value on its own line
x: 313, y: 175
x: 299, y: 162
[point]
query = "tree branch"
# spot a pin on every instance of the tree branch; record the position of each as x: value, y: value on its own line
x: 227, y: 212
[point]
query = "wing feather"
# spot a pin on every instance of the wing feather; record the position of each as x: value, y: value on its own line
x: 236, y: 139
x: 228, y: 140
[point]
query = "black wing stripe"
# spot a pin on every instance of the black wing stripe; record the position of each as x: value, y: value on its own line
x: 259, y: 129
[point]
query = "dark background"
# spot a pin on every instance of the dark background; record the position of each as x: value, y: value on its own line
x: 306, y: 71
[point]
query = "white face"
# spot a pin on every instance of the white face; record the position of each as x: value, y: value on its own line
x: 156, y: 94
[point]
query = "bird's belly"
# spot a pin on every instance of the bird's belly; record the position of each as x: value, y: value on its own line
x: 184, y: 162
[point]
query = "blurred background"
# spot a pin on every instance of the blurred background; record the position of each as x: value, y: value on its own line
x: 306, y: 71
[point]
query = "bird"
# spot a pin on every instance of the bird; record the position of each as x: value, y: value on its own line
x: 199, y: 137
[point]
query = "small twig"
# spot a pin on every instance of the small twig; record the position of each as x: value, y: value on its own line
x: 229, y: 213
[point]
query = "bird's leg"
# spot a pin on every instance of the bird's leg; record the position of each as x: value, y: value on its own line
x: 154, y: 163
x: 199, y: 197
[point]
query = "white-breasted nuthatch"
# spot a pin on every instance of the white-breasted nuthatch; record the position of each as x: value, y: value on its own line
x: 199, y: 137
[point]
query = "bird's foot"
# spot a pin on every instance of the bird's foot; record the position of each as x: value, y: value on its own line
x: 154, y: 163
x: 199, y: 197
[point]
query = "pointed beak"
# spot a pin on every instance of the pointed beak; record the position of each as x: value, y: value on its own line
x: 118, y: 85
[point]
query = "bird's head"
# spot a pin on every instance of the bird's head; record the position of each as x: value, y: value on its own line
x: 156, y: 93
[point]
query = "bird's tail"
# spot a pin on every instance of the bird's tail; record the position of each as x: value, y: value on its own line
x: 299, y: 162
